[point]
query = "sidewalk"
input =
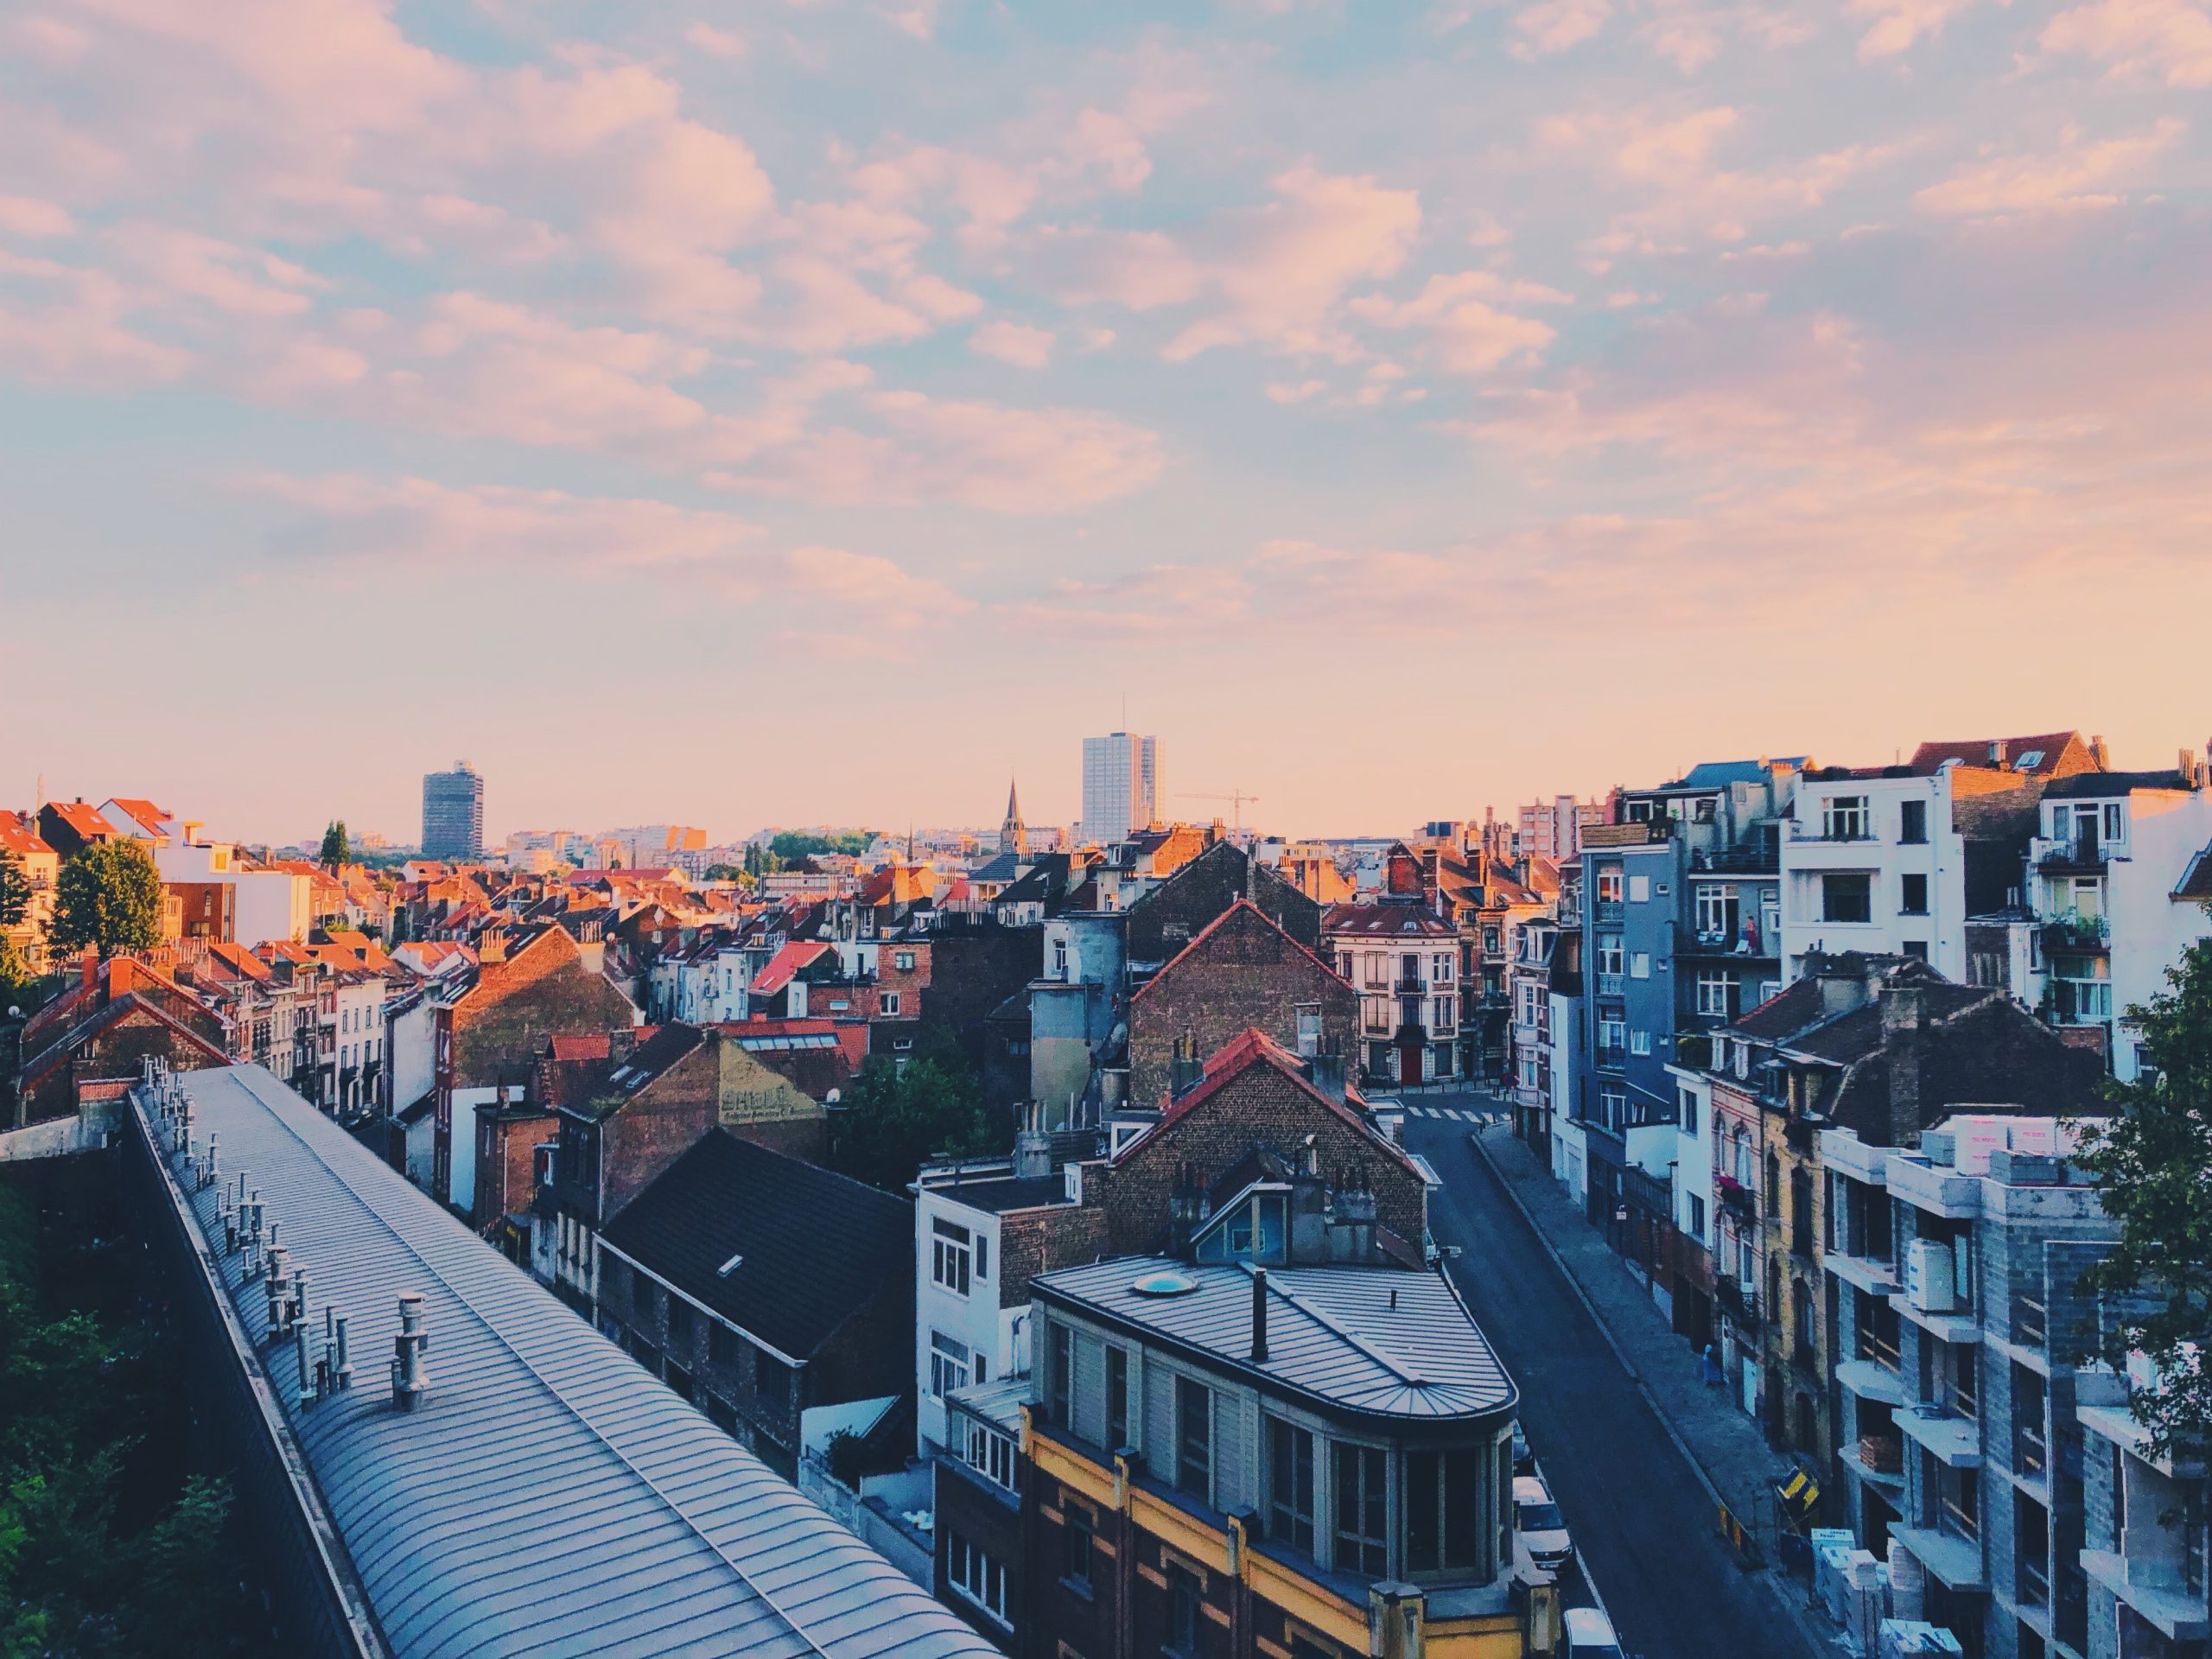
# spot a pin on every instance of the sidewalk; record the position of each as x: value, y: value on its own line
x: 1722, y: 1444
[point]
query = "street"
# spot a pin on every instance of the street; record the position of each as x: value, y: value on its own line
x: 1641, y: 1521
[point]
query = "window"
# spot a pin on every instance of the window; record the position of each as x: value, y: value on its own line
x: 1117, y: 1397
x: 1343, y: 966
x: 1612, y: 1037
x: 1076, y: 1535
x: 679, y: 1321
x: 1185, y: 1594
x: 1639, y: 965
x: 1610, y: 885
x: 903, y: 960
x: 1194, y: 1439
x: 1697, y: 1218
x: 1719, y: 912
x: 888, y: 1001
x: 1608, y: 955
x: 1716, y: 993
x: 982, y: 1257
x: 949, y: 1365
x: 1290, y: 1486
x: 1847, y: 896
x: 1844, y: 817
x: 1912, y: 898
x: 1639, y: 1041
x: 1686, y: 1111
x: 951, y: 1257
x: 1059, y: 958
x: 1612, y: 1106
x: 991, y: 1455
x: 975, y: 1574
x: 1440, y: 968
x: 1639, y: 889
x: 2115, y: 822
x: 1363, y: 1516
x: 1912, y: 821
x: 1060, y: 1379
x: 1442, y: 1495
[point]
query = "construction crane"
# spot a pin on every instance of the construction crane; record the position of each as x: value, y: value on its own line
x: 1235, y: 798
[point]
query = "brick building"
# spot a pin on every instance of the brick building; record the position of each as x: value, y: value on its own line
x: 758, y: 1287
x: 119, y: 1014
x: 1242, y: 971
x: 620, y: 1127
x: 1253, y: 1095
x: 1168, y: 917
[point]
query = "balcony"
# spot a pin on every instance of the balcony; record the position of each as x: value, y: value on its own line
x: 1874, y: 1275
x: 2030, y: 1454
x: 2153, y: 1590
x: 1839, y: 832
x: 1736, y: 1198
x: 1955, y: 1442
x: 2075, y: 931
x: 1955, y: 1562
x: 1612, y: 1059
x: 1410, y: 1033
x: 1738, y: 1303
x: 1715, y: 944
x: 1410, y: 985
x: 1608, y: 910
x: 2031, y: 1583
x: 1611, y: 984
x: 2079, y: 855
x: 2031, y: 1323
x: 1877, y: 1457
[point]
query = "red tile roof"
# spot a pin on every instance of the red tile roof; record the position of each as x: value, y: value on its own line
x: 19, y: 837
x: 1930, y: 757
x: 86, y: 821
x: 785, y: 965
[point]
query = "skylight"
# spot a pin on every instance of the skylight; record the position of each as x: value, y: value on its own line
x: 728, y: 1267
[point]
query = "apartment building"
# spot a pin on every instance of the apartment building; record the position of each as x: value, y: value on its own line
x: 1240, y: 1455
x: 1402, y: 960
x: 1953, y: 1268
x: 2145, y: 1530
x: 2121, y: 873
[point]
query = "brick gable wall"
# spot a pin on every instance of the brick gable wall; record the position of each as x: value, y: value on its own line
x: 1246, y: 973
x: 1259, y: 1107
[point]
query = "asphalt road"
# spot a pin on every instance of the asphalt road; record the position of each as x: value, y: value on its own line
x: 1642, y: 1524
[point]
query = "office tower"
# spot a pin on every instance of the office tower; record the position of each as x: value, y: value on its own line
x: 453, y: 813
x: 1120, y: 785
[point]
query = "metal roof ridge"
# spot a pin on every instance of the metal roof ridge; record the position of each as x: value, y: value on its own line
x: 1380, y: 1355
x: 623, y: 1458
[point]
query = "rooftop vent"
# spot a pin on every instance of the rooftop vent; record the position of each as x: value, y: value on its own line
x: 1163, y: 1284
x: 410, y: 1378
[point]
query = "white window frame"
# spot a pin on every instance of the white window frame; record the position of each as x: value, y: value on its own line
x: 1846, y: 818
x: 948, y: 1371
x: 951, y: 1256
x: 887, y: 1004
x: 990, y: 1454
x: 1712, y: 985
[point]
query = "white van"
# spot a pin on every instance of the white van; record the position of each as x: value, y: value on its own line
x: 1590, y: 1635
x: 1542, y: 1529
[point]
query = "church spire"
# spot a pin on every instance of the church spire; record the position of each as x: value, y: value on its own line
x: 1013, y: 835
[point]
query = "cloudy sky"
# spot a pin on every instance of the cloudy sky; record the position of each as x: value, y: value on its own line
x: 780, y: 412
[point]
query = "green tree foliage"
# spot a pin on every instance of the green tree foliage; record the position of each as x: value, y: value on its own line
x: 15, y: 890
x: 2153, y: 1157
x: 335, y: 848
x: 789, y: 846
x: 893, y: 1118
x: 108, y: 898
x: 724, y: 872
x: 106, y: 1550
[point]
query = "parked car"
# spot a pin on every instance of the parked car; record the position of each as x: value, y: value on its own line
x: 1542, y: 1529
x: 1590, y: 1635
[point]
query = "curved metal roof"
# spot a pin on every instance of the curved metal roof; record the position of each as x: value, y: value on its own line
x: 1384, y: 1341
x: 548, y: 1496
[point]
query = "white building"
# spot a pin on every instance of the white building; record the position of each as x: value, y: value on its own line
x: 1120, y: 785
x: 1877, y: 859
x: 2121, y: 873
x: 266, y: 903
x: 1693, y: 1155
x: 971, y: 1321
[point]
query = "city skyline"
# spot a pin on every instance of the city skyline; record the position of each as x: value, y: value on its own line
x: 1581, y: 351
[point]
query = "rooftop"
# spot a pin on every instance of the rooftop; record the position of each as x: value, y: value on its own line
x: 549, y: 1497
x: 1381, y: 1341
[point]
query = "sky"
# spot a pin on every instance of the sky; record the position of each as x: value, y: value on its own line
x: 777, y: 413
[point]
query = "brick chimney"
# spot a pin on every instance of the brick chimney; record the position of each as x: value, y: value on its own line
x: 1905, y: 1041
x: 88, y: 967
x: 621, y: 1044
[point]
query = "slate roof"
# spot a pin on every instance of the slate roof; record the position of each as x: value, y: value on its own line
x: 1974, y: 752
x: 1406, y: 921
x: 549, y: 1497
x: 1380, y: 1341
x: 815, y: 1247
x: 2113, y: 786
x: 1718, y: 774
x: 1003, y: 1192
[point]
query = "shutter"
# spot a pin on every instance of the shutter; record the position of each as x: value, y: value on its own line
x: 1091, y: 1388
x: 1233, y: 1485
x: 1160, y: 1421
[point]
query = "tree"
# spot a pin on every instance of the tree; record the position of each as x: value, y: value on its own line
x: 724, y: 872
x: 895, y: 1116
x: 15, y: 891
x: 335, y: 849
x: 2153, y: 1160
x: 108, y: 898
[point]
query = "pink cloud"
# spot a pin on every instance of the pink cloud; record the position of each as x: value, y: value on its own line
x: 1466, y: 333
x: 1553, y: 26
x: 1897, y: 24
x: 1015, y: 343
x: 2065, y: 179
x: 2170, y: 40
x: 26, y: 216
